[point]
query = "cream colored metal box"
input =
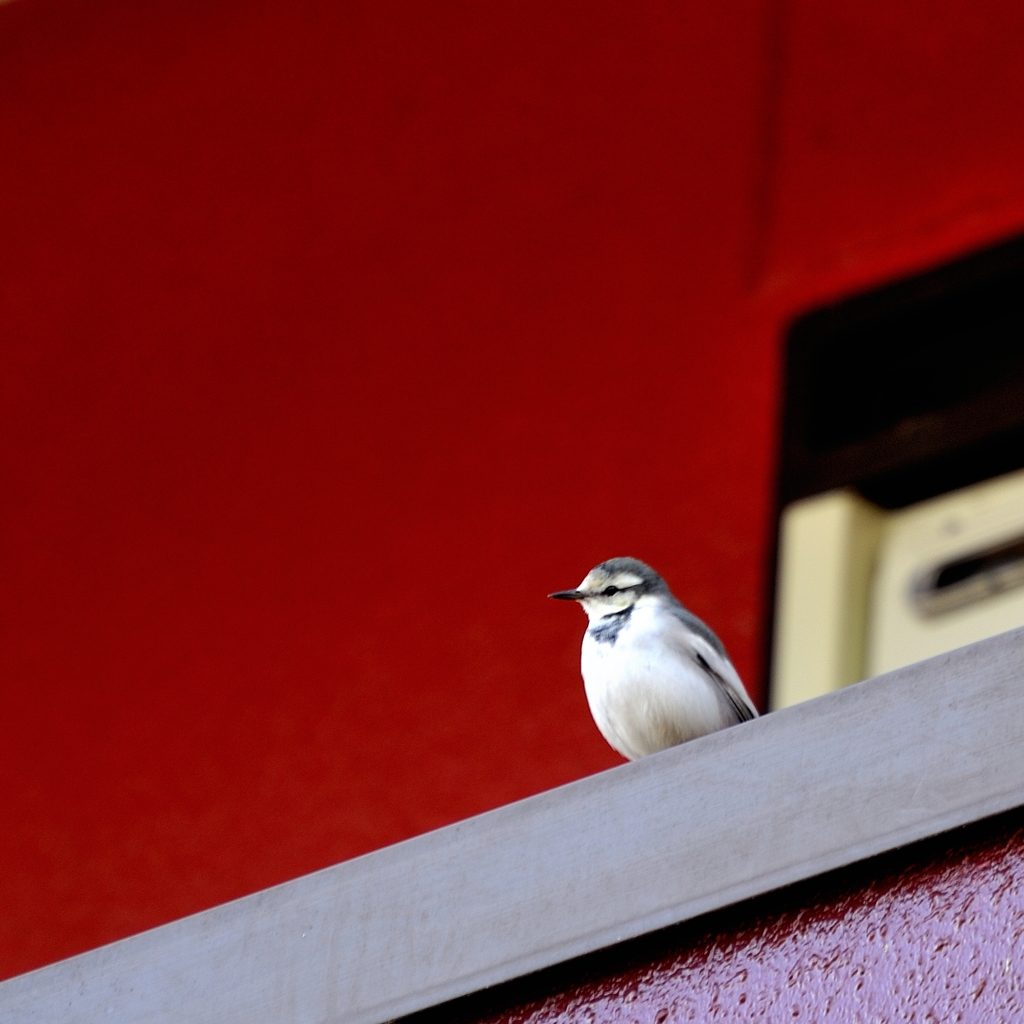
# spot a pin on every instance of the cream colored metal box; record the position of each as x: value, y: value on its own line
x: 861, y: 590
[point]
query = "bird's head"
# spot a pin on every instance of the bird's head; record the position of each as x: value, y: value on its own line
x: 614, y: 586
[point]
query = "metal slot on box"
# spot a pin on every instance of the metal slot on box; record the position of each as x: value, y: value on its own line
x: 974, y: 578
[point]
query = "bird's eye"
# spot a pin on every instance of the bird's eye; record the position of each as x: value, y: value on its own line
x: 608, y: 591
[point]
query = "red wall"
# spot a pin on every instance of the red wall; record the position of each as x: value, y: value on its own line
x: 335, y: 336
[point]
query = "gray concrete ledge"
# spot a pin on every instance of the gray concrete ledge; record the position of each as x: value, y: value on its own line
x: 805, y: 790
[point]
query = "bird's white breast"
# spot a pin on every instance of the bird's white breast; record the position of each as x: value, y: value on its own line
x: 645, y: 691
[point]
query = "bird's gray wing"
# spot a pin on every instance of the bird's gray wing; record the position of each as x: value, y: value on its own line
x: 709, y: 652
x: 698, y: 626
x: 744, y: 709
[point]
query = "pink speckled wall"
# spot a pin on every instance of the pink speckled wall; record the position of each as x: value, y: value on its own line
x: 935, y: 933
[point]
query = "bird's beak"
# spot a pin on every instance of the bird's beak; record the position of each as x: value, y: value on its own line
x: 568, y: 595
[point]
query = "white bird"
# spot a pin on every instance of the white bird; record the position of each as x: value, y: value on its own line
x: 654, y: 674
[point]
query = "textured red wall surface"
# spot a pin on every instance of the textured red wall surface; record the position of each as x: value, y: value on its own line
x: 336, y: 335
x: 937, y: 935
